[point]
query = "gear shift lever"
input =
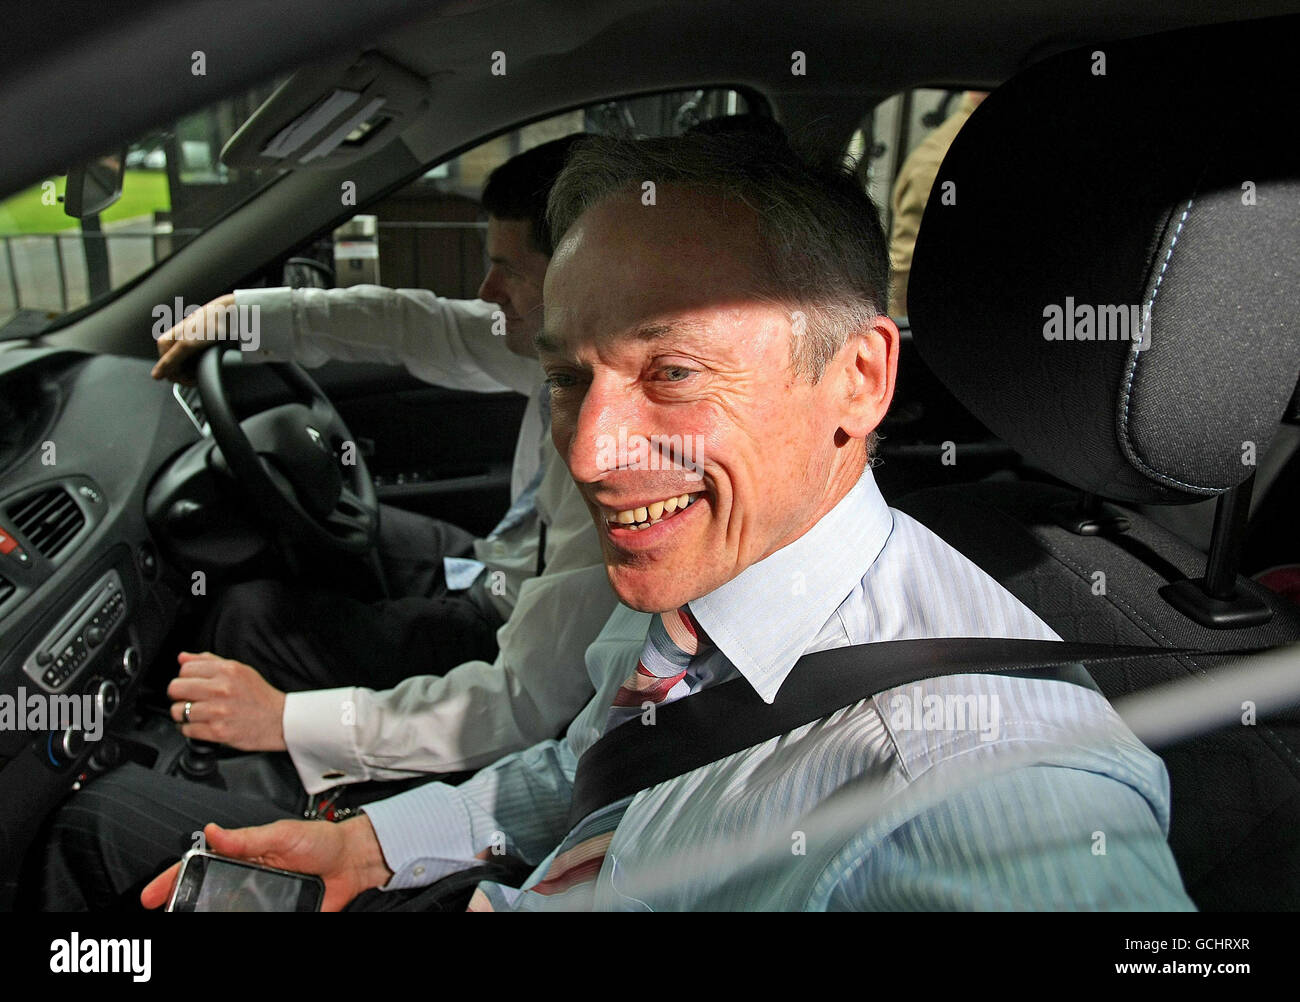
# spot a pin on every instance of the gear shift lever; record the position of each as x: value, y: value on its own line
x: 199, y: 762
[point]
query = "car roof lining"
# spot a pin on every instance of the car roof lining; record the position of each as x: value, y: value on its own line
x: 55, y: 95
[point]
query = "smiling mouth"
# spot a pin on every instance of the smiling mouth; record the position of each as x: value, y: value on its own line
x: 643, y: 517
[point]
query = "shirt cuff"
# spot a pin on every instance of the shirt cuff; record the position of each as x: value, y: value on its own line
x: 274, y: 323
x: 320, y: 731
x: 424, y: 835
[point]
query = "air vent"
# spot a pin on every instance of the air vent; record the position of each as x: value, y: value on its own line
x: 48, y: 521
x: 6, y: 589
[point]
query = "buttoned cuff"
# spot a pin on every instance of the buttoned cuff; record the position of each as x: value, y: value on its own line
x: 424, y: 835
x: 320, y: 731
x: 274, y: 320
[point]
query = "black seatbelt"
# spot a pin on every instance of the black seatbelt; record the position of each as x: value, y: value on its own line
x: 721, y: 720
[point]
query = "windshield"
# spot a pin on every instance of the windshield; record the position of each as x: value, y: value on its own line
x: 175, y: 187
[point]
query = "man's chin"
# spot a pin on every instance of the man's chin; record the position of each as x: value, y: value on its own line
x: 650, y: 592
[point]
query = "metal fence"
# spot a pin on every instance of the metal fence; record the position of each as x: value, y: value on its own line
x: 49, y: 270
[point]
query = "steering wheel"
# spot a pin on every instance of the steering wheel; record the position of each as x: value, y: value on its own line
x: 298, y: 462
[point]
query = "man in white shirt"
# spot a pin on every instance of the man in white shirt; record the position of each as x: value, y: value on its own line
x: 444, y: 610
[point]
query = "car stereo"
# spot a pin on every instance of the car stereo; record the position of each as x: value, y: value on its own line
x: 79, y: 634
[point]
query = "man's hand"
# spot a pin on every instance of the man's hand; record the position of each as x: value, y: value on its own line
x: 229, y: 702
x: 345, y: 855
x: 178, y: 353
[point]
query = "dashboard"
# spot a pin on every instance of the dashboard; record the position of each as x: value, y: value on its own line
x: 85, y: 601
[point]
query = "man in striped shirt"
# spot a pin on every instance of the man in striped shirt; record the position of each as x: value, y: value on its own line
x: 719, y: 291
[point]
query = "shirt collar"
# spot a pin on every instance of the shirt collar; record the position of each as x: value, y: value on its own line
x: 765, y: 618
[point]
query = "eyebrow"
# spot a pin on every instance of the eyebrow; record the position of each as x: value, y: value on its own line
x: 656, y: 332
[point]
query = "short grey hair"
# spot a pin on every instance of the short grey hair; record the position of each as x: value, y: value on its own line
x: 823, y: 250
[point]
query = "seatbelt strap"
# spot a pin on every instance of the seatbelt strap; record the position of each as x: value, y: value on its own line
x: 723, y: 719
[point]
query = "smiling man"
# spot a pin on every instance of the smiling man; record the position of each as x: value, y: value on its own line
x: 720, y: 290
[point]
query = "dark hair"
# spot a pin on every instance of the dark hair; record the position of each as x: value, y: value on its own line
x: 823, y: 249
x: 519, y: 188
x: 749, y: 123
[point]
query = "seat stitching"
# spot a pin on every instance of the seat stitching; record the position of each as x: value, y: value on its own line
x: 1135, y: 354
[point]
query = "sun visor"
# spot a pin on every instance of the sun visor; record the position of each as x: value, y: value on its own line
x: 329, y: 115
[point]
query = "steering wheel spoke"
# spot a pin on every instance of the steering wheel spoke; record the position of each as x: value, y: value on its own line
x: 284, y: 457
x: 350, y: 516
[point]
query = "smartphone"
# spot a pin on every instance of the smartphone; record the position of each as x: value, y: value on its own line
x: 211, y: 883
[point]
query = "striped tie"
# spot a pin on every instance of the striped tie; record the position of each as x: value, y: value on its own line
x: 660, y: 676
x: 669, y: 646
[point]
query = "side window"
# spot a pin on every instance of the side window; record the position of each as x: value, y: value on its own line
x: 431, y: 233
x: 898, y: 149
x: 175, y: 186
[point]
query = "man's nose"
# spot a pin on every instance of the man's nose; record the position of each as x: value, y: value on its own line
x: 492, y: 289
x: 607, y: 415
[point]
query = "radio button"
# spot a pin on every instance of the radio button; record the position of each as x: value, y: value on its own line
x: 73, y: 743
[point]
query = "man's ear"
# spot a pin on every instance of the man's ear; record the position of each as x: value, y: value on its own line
x: 868, y: 367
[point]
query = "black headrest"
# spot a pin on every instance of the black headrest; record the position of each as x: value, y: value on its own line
x: 1154, y: 181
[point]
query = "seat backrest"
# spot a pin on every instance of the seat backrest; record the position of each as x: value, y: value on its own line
x: 1124, y: 190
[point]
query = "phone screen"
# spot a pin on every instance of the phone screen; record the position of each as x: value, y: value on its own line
x: 213, y: 884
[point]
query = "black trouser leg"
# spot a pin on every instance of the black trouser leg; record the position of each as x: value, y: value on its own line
x: 119, y: 832
x: 301, y: 638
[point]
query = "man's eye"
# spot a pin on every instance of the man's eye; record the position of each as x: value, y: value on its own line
x: 675, y: 373
x: 560, y: 380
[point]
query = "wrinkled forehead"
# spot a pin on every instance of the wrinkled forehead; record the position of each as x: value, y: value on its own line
x: 690, y: 259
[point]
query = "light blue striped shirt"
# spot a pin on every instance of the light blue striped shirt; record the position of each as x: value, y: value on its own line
x: 964, y: 792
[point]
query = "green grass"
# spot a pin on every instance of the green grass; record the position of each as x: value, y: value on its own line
x: 143, y: 192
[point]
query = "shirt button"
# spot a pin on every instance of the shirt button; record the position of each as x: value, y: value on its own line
x: 418, y: 871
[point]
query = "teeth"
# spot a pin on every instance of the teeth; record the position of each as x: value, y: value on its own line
x: 643, y: 518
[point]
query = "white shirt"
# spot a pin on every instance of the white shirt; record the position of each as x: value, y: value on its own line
x: 447, y: 342
x: 479, y: 711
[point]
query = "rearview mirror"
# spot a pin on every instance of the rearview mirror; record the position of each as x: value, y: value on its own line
x: 93, y: 186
